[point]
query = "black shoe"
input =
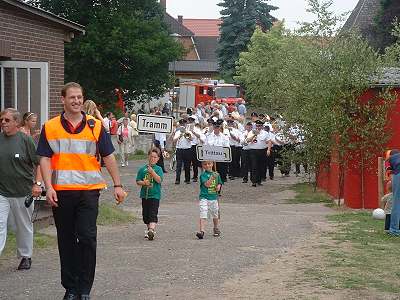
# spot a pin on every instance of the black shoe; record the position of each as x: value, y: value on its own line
x: 187, y: 182
x: 70, y: 296
x: 264, y: 179
x: 85, y: 297
x: 254, y: 185
x: 194, y: 179
x: 200, y: 235
x: 271, y: 177
x: 259, y: 184
x: 245, y: 180
x: 177, y: 182
x: 25, y: 264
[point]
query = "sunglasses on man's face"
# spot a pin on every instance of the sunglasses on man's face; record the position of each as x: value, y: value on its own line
x: 5, y: 120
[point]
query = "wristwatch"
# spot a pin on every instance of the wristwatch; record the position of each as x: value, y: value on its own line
x: 38, y: 183
x: 118, y: 185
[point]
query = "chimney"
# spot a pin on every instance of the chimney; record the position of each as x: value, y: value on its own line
x: 180, y: 19
x: 163, y: 4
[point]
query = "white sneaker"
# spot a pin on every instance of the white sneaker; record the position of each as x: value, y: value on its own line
x: 126, y: 164
x: 122, y: 165
x: 146, y: 234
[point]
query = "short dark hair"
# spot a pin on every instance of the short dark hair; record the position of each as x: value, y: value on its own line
x: 68, y: 86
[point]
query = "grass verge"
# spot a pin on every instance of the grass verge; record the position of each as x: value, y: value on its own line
x: 305, y: 193
x: 110, y: 214
x: 40, y: 241
x: 358, y: 255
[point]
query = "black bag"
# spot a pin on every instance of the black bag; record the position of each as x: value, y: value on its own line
x: 120, y: 138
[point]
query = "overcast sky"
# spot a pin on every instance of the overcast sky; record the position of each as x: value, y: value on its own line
x: 290, y: 10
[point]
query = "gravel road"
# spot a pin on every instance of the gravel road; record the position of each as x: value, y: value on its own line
x: 257, y: 225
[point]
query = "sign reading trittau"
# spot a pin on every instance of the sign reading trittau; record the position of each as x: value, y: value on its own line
x: 152, y: 123
x: 213, y: 153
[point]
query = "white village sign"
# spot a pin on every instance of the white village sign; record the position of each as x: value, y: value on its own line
x: 213, y: 153
x: 152, y: 123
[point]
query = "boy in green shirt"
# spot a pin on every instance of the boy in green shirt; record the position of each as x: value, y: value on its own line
x: 149, y: 177
x: 210, y: 185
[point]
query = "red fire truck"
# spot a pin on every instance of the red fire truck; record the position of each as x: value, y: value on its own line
x: 192, y: 93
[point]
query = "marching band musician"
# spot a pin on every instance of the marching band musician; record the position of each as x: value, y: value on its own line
x: 270, y: 160
x: 217, y: 138
x: 245, y: 153
x: 196, y: 138
x: 183, y: 142
x: 234, y: 142
x: 209, y: 128
x: 259, y: 140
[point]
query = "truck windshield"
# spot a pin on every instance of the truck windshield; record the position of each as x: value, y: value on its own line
x: 227, y: 92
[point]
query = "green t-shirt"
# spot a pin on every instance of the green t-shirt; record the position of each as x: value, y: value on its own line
x: 17, y: 160
x: 209, y: 193
x: 154, y: 191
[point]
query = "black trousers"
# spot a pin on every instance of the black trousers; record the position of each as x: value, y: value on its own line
x: 150, y: 210
x: 245, y: 164
x: 194, y: 162
x: 271, y: 164
x: 183, y: 156
x: 222, y: 169
x: 257, y: 161
x: 234, y: 165
x: 75, y: 219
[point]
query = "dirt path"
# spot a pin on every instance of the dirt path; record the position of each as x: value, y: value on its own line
x: 258, y: 227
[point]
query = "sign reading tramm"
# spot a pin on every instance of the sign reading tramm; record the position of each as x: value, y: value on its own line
x: 213, y: 153
x: 152, y: 123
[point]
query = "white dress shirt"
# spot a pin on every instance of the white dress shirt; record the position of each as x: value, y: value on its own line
x: 261, y: 142
x: 220, y: 140
x: 181, y: 141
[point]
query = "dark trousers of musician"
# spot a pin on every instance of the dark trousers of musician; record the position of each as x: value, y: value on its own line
x: 222, y: 169
x: 257, y: 159
x: 161, y: 160
x: 194, y: 162
x: 183, y: 156
x: 263, y: 166
x: 300, y: 160
x: 234, y: 165
x: 271, y: 163
x: 75, y: 219
x: 245, y: 164
x: 285, y: 159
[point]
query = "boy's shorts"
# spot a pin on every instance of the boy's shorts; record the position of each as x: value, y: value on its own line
x: 208, y: 207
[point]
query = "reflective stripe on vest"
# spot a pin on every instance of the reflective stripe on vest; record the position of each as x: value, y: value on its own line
x: 73, y: 146
x: 74, y: 163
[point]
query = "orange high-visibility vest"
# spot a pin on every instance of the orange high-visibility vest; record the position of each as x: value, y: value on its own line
x: 74, y: 162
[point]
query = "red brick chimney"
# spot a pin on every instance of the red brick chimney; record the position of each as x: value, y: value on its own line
x: 163, y: 4
x: 180, y: 19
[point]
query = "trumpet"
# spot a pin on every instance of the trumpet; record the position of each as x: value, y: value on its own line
x: 252, y: 136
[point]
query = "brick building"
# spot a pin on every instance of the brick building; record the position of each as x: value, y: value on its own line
x: 199, y: 37
x: 32, y: 57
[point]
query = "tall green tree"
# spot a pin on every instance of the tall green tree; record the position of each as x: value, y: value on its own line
x: 239, y: 20
x: 126, y: 45
x: 316, y: 79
